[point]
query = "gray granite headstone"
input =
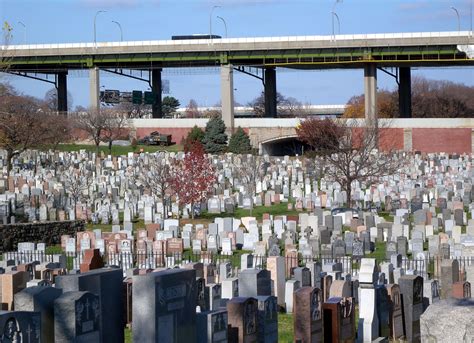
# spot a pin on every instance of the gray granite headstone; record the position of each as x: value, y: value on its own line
x: 20, y: 326
x: 411, y: 288
x: 40, y: 299
x: 267, y: 319
x: 107, y: 284
x: 212, y: 326
x: 254, y: 282
x: 164, y: 306
x: 77, y: 318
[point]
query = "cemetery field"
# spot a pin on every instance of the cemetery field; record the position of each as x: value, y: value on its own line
x: 119, y: 150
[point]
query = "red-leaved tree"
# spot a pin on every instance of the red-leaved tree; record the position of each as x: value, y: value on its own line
x: 193, y: 177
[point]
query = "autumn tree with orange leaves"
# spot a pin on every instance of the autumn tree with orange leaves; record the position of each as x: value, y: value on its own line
x: 193, y: 177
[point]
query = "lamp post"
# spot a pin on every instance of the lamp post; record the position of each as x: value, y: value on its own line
x: 334, y: 14
x: 120, y: 27
x: 210, y: 20
x: 95, y: 31
x: 225, y: 25
x: 457, y: 14
x: 24, y: 31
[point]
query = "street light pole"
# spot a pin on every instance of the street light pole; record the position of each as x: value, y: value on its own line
x: 120, y: 27
x: 95, y: 31
x: 457, y: 14
x: 332, y: 15
x: 338, y: 23
x: 24, y: 32
x: 210, y: 20
x: 225, y: 25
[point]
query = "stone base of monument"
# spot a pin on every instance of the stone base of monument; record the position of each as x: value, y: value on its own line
x: 448, y: 321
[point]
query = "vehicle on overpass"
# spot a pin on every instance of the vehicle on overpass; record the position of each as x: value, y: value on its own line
x: 195, y: 36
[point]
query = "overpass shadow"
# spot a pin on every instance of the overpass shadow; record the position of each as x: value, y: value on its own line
x: 290, y: 146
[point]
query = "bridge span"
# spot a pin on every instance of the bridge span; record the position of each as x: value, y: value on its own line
x: 372, y: 52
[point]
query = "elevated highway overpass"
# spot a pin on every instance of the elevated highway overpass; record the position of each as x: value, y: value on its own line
x: 368, y: 51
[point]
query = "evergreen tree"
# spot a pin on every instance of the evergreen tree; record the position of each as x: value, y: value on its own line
x: 169, y: 105
x: 195, y: 135
x: 215, y: 138
x: 239, y: 142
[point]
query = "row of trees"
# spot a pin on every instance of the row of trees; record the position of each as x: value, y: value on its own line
x: 430, y: 99
x: 214, y: 138
x: 29, y: 123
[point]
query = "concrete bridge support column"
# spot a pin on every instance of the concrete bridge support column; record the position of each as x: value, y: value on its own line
x: 156, y: 89
x: 94, y: 88
x: 370, y: 86
x: 62, y: 92
x: 404, y: 92
x: 227, y: 96
x: 270, y: 93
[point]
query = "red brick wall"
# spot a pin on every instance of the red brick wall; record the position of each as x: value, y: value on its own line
x: 442, y: 140
x: 391, y: 139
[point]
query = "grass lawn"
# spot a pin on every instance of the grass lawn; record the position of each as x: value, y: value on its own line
x: 119, y: 150
x: 379, y: 252
x: 137, y: 225
x: 128, y: 335
x: 285, y: 328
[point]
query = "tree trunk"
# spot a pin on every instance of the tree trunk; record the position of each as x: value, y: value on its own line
x: 163, y: 205
x: 192, y: 210
x: 9, y: 163
x: 110, y: 147
x: 349, y: 194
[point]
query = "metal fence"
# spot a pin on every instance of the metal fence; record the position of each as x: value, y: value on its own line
x: 153, y: 260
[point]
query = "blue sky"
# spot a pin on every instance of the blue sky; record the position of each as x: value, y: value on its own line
x: 62, y: 21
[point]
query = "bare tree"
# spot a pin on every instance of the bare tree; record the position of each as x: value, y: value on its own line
x: 58, y: 129
x: 192, y: 109
x: 93, y: 123
x: 356, y: 155
x: 156, y: 176
x: 134, y: 110
x: 251, y: 171
x: 51, y: 100
x: 22, y: 126
x: 76, y: 181
x: 117, y: 125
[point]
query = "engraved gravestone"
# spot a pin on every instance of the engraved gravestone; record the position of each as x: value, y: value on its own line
x: 164, y: 306
x: 308, y: 320
x: 77, y: 318
x: 395, y: 312
x: 40, y: 299
x: 411, y: 288
x: 212, y: 326
x: 107, y: 283
x: 267, y: 319
x: 20, y: 326
x: 242, y: 319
